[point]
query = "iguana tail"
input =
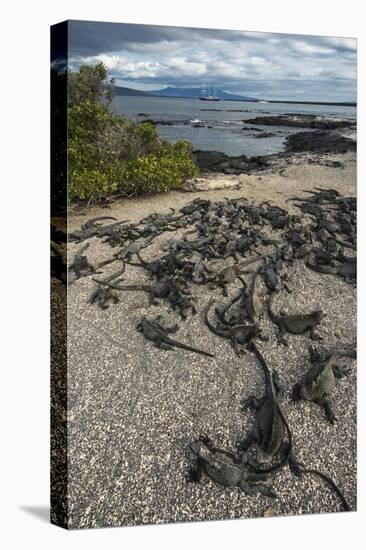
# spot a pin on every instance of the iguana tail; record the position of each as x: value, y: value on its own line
x: 145, y: 288
x: 213, y: 329
x: 185, y: 346
x: 250, y: 261
x: 271, y: 313
x: 257, y: 353
x: 331, y: 483
x: 92, y: 221
x: 82, y: 249
x: 142, y: 261
x: 300, y: 469
x: 110, y: 278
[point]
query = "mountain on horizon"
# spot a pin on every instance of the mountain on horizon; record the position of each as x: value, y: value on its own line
x: 179, y: 92
x: 196, y: 92
x: 122, y: 91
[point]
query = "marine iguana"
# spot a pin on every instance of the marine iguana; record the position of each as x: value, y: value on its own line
x: 272, y: 427
x: 270, y: 277
x: 230, y: 273
x: 237, y: 334
x: 320, y: 380
x: 133, y: 248
x: 298, y: 323
x: 155, y: 268
x: 167, y: 288
x: 153, y: 331
x: 246, y: 305
x: 201, y: 274
x: 91, y: 223
x: 224, y: 468
x: 80, y: 266
x: 91, y: 229
x: 103, y: 294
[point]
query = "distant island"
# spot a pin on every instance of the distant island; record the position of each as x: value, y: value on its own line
x: 194, y: 93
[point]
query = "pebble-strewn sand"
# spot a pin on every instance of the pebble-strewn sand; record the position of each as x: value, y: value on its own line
x: 133, y: 408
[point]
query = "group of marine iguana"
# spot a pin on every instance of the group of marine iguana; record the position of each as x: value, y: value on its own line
x: 268, y: 238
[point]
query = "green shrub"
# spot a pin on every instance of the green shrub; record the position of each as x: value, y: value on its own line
x: 111, y: 154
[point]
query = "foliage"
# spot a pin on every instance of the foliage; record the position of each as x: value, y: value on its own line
x: 110, y: 153
x: 90, y: 83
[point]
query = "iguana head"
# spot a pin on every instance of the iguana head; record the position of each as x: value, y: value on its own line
x: 140, y: 325
x: 319, y: 315
x: 195, y: 446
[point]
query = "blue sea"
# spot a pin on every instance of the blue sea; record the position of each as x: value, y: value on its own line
x: 228, y: 132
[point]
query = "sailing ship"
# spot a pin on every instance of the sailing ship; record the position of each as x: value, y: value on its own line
x: 206, y: 96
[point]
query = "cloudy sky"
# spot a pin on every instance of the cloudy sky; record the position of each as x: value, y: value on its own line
x: 263, y: 65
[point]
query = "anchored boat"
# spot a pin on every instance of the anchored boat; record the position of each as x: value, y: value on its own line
x: 206, y: 96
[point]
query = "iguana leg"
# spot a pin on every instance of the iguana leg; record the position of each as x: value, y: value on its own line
x: 282, y: 335
x: 341, y: 371
x: 152, y: 301
x: 252, y: 402
x: 263, y: 337
x: 165, y: 346
x: 236, y: 347
x: 194, y: 473
x: 252, y: 437
x: 314, y: 354
x: 295, y: 466
x: 168, y: 330
x: 277, y: 383
x: 93, y: 297
x: 325, y: 403
x: 315, y: 336
x: 253, y: 490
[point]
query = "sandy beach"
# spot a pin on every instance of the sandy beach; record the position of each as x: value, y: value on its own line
x: 132, y: 409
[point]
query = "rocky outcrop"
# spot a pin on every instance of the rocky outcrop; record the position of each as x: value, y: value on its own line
x: 302, y: 121
x: 155, y: 122
x: 265, y: 135
x: 319, y: 142
x: 215, y: 161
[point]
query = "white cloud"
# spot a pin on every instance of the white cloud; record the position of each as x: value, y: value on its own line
x: 273, y: 64
x: 306, y: 48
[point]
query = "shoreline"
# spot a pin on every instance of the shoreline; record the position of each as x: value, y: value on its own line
x: 284, y: 175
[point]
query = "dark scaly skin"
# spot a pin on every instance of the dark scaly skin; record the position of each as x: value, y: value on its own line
x: 133, y: 248
x: 90, y: 230
x: 230, y: 273
x: 103, y: 294
x: 246, y: 305
x: 225, y: 469
x: 237, y: 334
x: 271, y: 278
x: 272, y: 427
x: 80, y: 266
x: 320, y: 380
x: 297, y: 323
x: 159, y: 336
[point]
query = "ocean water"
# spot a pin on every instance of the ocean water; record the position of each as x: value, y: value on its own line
x: 228, y: 132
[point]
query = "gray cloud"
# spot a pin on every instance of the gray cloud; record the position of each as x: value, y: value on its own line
x: 268, y: 65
